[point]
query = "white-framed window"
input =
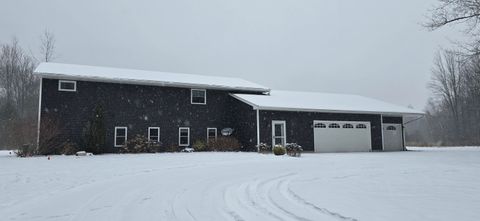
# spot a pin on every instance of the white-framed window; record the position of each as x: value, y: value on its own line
x: 198, y: 96
x: 334, y: 125
x: 319, y: 125
x: 361, y: 126
x: 184, y: 136
x: 120, y: 136
x: 154, y: 134
x: 391, y: 128
x: 64, y: 85
x: 211, y: 134
x: 347, y: 126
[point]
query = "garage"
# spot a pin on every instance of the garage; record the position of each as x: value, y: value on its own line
x: 393, y: 137
x: 342, y: 136
x: 324, y: 122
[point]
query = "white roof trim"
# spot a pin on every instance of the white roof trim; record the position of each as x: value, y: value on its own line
x: 323, y: 102
x: 131, y: 76
x: 255, y: 107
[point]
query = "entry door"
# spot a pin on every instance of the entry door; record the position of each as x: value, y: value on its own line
x: 278, y: 133
x: 393, y: 137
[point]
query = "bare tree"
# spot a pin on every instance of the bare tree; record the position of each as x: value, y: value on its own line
x: 19, y: 86
x: 455, y: 12
x: 447, y: 84
x: 47, y: 48
x: 455, y: 110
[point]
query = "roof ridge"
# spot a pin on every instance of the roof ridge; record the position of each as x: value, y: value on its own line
x: 137, y: 76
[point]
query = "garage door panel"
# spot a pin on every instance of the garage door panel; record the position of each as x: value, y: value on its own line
x: 393, y: 137
x: 333, y: 139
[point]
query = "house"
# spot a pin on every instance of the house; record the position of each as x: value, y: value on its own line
x: 178, y: 109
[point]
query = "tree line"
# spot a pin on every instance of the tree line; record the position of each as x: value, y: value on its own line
x: 453, y: 112
x: 19, y: 91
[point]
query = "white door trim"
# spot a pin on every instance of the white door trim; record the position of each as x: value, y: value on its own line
x: 284, y: 132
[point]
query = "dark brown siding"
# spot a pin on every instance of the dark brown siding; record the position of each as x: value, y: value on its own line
x: 393, y: 120
x: 139, y: 107
x: 300, y: 130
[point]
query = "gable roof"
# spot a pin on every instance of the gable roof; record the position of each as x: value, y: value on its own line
x: 131, y: 76
x: 322, y: 102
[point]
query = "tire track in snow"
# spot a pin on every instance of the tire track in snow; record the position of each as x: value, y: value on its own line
x: 317, y: 208
x: 273, y: 199
x: 252, y: 200
x: 277, y: 204
x: 276, y: 193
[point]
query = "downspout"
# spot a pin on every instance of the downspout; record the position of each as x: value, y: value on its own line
x: 381, y: 128
x: 258, y: 129
x: 39, y: 112
x: 403, y: 137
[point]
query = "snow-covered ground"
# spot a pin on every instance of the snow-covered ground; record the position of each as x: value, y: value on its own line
x: 424, y: 184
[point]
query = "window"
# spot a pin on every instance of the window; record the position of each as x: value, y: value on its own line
x: 67, y: 85
x: 198, y: 96
x: 361, y: 126
x: 320, y: 125
x: 154, y: 134
x: 120, y: 136
x: 391, y: 128
x: 347, y: 126
x: 184, y: 136
x: 334, y: 125
x: 211, y: 134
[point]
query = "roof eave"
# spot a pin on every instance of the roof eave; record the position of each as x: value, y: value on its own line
x: 386, y: 113
x: 147, y: 82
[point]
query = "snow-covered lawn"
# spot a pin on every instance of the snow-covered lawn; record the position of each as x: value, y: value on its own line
x: 424, y: 184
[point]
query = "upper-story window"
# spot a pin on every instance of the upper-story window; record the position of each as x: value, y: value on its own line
x: 64, y: 85
x: 199, y: 96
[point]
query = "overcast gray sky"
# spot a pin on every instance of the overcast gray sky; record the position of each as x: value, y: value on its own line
x: 375, y: 48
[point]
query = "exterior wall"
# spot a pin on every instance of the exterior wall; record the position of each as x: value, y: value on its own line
x: 396, y: 120
x: 393, y: 120
x: 299, y: 126
x: 244, y: 121
x: 139, y: 107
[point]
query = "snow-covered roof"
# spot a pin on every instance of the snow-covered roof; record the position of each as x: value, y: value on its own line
x: 322, y: 102
x: 130, y: 76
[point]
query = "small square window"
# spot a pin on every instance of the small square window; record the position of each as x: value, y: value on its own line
x: 67, y: 85
x: 198, y: 96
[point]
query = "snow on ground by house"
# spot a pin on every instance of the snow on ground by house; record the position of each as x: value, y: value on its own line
x: 424, y: 184
x: 7, y: 153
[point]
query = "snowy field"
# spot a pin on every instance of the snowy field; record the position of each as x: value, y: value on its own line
x: 424, y: 184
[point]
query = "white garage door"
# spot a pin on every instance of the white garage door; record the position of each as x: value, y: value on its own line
x: 393, y: 138
x: 342, y: 136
